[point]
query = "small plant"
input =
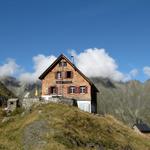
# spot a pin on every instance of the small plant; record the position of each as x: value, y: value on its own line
x: 17, y: 111
x: 3, y: 113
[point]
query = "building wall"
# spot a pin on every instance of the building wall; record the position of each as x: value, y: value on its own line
x: 77, y: 80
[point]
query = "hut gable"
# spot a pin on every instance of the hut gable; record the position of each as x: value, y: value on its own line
x: 63, y: 78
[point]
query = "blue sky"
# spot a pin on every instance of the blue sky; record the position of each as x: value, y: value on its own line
x: 32, y: 27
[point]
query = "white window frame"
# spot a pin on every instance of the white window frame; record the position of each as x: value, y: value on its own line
x: 72, y: 89
x: 59, y: 75
x: 82, y: 89
x: 63, y: 64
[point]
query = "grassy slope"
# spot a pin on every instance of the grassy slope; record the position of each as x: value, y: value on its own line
x: 61, y: 127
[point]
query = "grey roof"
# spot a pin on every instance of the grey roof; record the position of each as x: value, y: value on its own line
x: 13, y: 99
x: 143, y: 127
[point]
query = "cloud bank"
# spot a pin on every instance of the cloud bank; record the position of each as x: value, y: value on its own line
x: 10, y: 68
x: 146, y: 70
x: 131, y: 75
x: 97, y: 63
x: 40, y: 64
x: 92, y: 62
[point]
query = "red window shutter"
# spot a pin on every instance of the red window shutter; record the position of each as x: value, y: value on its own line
x: 56, y: 90
x: 68, y: 90
x: 86, y: 89
x: 49, y: 90
x: 77, y: 89
x: 65, y: 74
x: 62, y: 75
x: 71, y: 74
x: 55, y: 75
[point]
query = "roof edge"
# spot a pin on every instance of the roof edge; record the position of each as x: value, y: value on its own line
x: 55, y: 62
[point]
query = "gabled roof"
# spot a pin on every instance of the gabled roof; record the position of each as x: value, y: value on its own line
x: 67, y: 60
x: 143, y: 127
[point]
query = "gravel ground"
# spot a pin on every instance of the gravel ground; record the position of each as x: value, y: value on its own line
x: 34, y: 135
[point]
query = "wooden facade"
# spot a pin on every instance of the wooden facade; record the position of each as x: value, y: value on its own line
x: 63, y: 78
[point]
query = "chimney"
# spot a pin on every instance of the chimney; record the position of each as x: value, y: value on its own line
x: 72, y: 59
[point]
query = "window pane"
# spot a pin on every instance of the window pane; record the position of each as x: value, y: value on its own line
x: 58, y: 76
x: 82, y: 89
x: 68, y: 74
x: 72, y: 89
x: 62, y: 64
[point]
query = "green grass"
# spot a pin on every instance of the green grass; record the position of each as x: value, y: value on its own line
x: 61, y: 127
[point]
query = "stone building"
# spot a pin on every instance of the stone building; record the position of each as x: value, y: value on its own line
x: 12, y: 104
x: 62, y: 78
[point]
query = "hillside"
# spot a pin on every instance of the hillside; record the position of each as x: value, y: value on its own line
x: 4, y: 92
x: 61, y: 127
x: 20, y: 88
x: 126, y: 101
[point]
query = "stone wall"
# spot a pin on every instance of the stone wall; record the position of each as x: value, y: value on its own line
x: 83, y: 105
x: 28, y: 102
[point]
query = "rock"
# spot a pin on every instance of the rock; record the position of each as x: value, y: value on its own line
x: 40, y: 111
x: 95, y: 145
x: 22, y: 114
x: 7, y: 119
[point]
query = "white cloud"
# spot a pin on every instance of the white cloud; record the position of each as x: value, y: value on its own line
x: 134, y: 72
x: 41, y: 63
x: 10, y: 68
x: 92, y: 62
x: 146, y: 70
x: 97, y: 63
x: 131, y: 75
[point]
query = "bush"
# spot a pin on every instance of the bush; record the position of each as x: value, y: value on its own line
x: 17, y: 111
x: 3, y: 113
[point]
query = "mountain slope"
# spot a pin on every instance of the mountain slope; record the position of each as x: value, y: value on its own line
x: 20, y: 88
x: 126, y: 101
x: 61, y: 127
x: 4, y: 92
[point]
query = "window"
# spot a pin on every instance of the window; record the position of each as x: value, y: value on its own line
x: 62, y: 64
x: 52, y: 90
x: 69, y: 74
x: 72, y: 89
x: 58, y: 75
x: 83, y: 89
x: 11, y: 103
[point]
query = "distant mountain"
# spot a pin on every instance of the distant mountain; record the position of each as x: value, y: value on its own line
x: 127, y: 101
x: 4, y: 92
x: 21, y: 88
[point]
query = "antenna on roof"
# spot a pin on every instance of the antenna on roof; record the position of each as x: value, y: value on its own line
x: 72, y: 59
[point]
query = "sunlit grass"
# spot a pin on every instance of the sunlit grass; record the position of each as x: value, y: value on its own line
x: 69, y: 128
